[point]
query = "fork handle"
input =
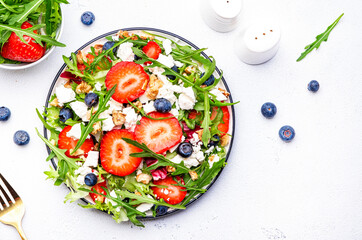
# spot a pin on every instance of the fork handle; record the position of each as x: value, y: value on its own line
x: 20, y: 231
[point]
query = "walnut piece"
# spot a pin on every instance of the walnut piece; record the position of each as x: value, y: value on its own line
x: 96, y: 128
x: 199, y: 133
x: 123, y: 34
x: 193, y: 175
x: 68, y: 84
x: 98, y: 48
x: 224, y: 140
x: 118, y: 117
x: 144, y: 178
x: 77, y: 153
x: 170, y: 169
x: 80, y: 57
x: 190, y: 69
x: 83, y: 88
x: 138, y: 104
x: 55, y: 103
x: 223, y: 91
x: 153, y: 86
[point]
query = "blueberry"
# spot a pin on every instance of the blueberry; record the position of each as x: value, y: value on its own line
x: 4, y: 113
x: 91, y: 99
x: 108, y: 45
x: 208, y: 81
x: 65, y: 114
x: 90, y: 179
x: 87, y: 18
x: 162, y: 105
x: 268, y: 110
x: 21, y: 137
x: 136, y: 58
x: 185, y: 149
x: 286, y: 133
x: 161, y: 210
x: 313, y: 86
x: 214, y: 143
x: 172, y: 77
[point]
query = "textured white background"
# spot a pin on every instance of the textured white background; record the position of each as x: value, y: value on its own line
x: 307, y: 189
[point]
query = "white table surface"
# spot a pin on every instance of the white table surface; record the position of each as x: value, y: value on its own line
x: 307, y: 189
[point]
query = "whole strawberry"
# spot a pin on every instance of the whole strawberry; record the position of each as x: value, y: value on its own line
x: 15, y: 49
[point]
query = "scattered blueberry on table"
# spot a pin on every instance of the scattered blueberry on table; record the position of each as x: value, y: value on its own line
x: 313, y: 86
x: 208, y: 81
x: 268, y: 110
x: 4, y: 113
x: 21, y: 137
x: 214, y: 143
x: 65, y: 114
x: 87, y: 18
x: 161, y: 210
x: 90, y: 179
x: 162, y: 105
x: 286, y: 133
x: 91, y: 99
x: 172, y: 77
x: 185, y: 149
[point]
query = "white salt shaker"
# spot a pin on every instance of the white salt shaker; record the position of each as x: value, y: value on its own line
x: 222, y: 15
x: 258, y: 43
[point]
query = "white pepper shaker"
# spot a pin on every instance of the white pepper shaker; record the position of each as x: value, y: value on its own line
x: 222, y: 15
x: 258, y: 43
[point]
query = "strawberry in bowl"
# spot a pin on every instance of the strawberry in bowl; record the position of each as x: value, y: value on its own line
x: 139, y: 125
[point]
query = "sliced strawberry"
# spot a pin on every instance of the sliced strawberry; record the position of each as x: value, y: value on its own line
x: 98, y: 188
x: 152, y: 50
x: 159, y: 135
x: 223, y: 127
x: 131, y: 80
x: 172, y: 194
x: 69, y: 143
x: 15, y: 49
x: 193, y: 114
x: 115, y: 153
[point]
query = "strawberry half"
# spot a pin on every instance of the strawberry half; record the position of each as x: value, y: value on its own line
x: 172, y: 194
x: 98, y: 188
x: 115, y: 153
x: 131, y: 80
x: 152, y: 50
x: 159, y: 135
x: 15, y: 49
x: 69, y: 143
x: 223, y: 127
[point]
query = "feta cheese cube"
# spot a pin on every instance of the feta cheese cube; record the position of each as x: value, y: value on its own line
x: 167, y: 46
x: 92, y: 159
x: 64, y: 94
x: 125, y: 52
x: 80, y: 108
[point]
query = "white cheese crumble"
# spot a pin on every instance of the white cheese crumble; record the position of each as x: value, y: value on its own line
x: 195, y: 139
x: 194, y: 160
x: 125, y: 52
x: 166, y: 92
x: 166, y: 43
x: 208, y: 151
x: 98, y: 86
x: 218, y: 94
x: 113, y: 194
x: 75, y: 132
x: 187, y: 99
x: 143, y: 207
x: 80, y: 108
x: 107, y: 122
x: 64, y: 94
x: 131, y: 118
x: 115, y: 38
x: 113, y: 105
x: 144, y: 99
x: 174, y: 112
x: 92, y: 159
x: 166, y: 60
x: 82, y: 172
x: 149, y: 107
x: 216, y: 159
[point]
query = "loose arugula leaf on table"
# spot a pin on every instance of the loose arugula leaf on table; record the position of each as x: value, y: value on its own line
x: 162, y: 161
x: 65, y: 164
x: 86, y: 130
x: 323, y: 37
x: 29, y: 32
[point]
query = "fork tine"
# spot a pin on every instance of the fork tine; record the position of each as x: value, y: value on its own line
x: 8, y: 190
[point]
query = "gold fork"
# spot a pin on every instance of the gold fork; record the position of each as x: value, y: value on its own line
x: 11, y: 207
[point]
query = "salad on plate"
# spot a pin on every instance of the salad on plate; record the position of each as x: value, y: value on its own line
x: 138, y: 125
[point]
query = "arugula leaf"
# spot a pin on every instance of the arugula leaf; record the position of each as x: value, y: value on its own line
x: 29, y: 32
x: 28, y: 8
x: 119, y: 214
x: 65, y: 164
x: 323, y: 37
x: 94, y: 118
x: 162, y: 161
x: 206, y: 135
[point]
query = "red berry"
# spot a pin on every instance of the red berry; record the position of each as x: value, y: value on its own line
x: 115, y: 153
x: 15, y: 49
x: 131, y: 80
x: 98, y: 188
x: 69, y: 143
x: 223, y: 127
x: 152, y: 50
x: 172, y: 194
x: 159, y: 135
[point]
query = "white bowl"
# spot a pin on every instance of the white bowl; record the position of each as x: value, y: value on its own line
x: 47, y: 53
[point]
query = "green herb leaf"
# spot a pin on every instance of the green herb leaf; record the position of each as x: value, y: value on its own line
x: 323, y: 37
x: 206, y: 122
x: 29, y: 8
